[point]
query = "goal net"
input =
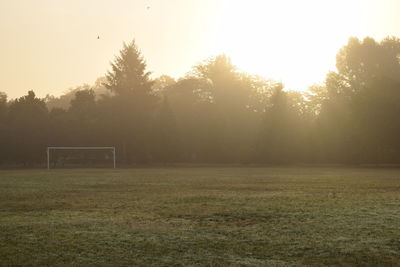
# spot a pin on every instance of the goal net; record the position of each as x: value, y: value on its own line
x: 80, y: 156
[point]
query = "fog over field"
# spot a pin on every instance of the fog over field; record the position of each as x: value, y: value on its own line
x: 215, y: 114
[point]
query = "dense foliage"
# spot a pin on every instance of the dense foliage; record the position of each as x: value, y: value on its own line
x: 217, y: 114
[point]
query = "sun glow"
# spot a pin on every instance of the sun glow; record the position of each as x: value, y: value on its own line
x: 49, y: 46
x: 292, y: 41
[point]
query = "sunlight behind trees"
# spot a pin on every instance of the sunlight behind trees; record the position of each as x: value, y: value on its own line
x: 219, y: 114
x: 54, y: 44
x: 291, y: 41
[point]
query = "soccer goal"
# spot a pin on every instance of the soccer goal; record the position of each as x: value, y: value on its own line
x: 51, y: 149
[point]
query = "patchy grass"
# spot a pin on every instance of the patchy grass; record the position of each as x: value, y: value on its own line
x: 200, y: 217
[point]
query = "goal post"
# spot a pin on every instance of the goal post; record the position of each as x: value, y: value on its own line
x: 52, y: 148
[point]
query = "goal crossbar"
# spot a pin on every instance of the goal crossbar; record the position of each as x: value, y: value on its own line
x: 112, y: 148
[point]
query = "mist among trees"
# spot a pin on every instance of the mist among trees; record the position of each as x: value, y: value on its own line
x: 217, y: 114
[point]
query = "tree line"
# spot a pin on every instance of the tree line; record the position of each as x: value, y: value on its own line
x: 217, y: 114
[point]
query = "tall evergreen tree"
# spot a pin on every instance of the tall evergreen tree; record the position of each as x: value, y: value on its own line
x: 128, y: 72
x: 132, y: 106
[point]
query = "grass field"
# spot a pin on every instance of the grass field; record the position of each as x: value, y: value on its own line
x: 200, y: 217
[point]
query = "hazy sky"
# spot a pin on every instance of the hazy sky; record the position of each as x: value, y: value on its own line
x: 51, y: 45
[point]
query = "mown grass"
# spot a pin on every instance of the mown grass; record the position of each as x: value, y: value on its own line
x: 200, y: 217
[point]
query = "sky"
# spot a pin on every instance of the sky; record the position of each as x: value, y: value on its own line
x: 50, y: 46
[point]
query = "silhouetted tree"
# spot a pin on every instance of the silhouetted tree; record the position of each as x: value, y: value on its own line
x: 276, y: 136
x: 83, y: 117
x: 128, y: 73
x: 376, y: 110
x: 133, y: 104
x: 28, y: 123
x: 60, y: 128
x: 188, y: 106
x: 162, y: 83
x: 4, y: 130
x: 232, y: 113
x: 353, y: 92
x: 165, y: 144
